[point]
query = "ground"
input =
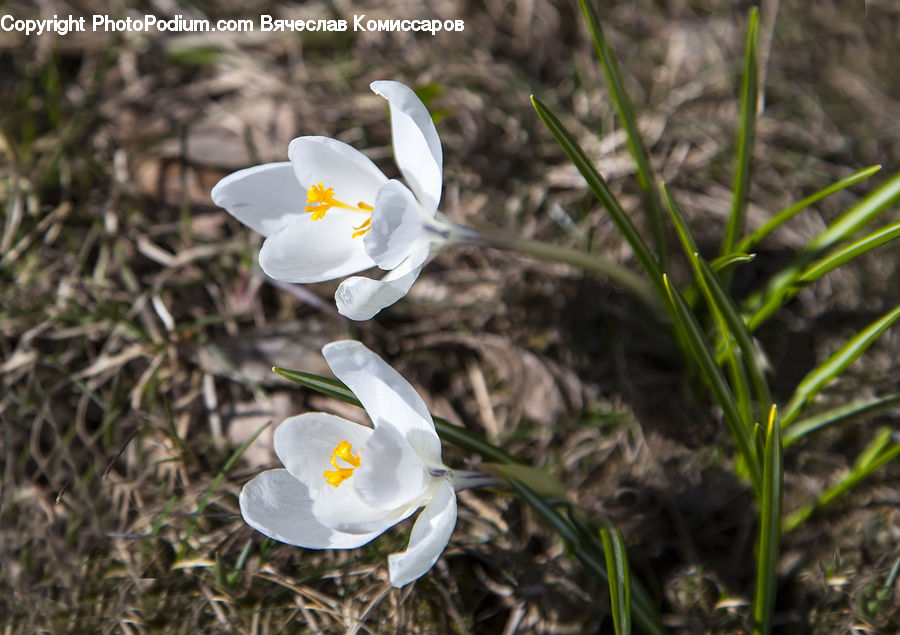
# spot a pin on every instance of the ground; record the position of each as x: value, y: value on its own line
x: 137, y: 333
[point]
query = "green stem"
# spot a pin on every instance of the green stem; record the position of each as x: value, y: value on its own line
x: 629, y: 280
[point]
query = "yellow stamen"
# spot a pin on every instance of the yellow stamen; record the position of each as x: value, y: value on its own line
x: 362, y: 229
x: 340, y: 474
x: 320, y: 199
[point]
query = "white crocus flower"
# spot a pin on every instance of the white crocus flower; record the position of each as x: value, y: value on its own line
x: 345, y: 483
x: 330, y: 212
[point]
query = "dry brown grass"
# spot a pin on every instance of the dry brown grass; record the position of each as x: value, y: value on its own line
x: 136, y: 333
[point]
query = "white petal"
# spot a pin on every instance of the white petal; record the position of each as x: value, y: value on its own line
x: 304, y: 444
x: 333, y: 163
x: 265, y: 198
x: 388, y: 398
x: 417, y: 148
x: 392, y: 474
x: 396, y: 225
x: 362, y: 298
x: 429, y: 536
x: 342, y: 509
x: 280, y: 506
x: 309, y: 250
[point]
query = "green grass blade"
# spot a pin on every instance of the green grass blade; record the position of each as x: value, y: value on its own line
x: 235, y: 575
x: 584, y: 547
x: 859, y: 215
x: 784, y: 285
x: 727, y: 316
x: 853, y: 250
x: 746, y: 136
x: 736, y: 372
x: 204, y: 501
x: 831, y: 368
x: 619, y: 578
x: 739, y: 428
x: 876, y: 455
x: 769, y: 529
x: 601, y: 190
x: 788, y: 213
x: 752, y: 356
x: 724, y: 264
x: 841, y: 414
x: 324, y: 385
x: 453, y: 434
x: 641, y: 603
x: 646, y: 177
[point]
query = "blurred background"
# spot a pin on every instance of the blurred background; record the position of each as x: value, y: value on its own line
x: 137, y: 333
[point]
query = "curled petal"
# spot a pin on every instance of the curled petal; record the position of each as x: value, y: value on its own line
x: 429, y: 537
x: 279, y: 506
x: 362, y: 298
x: 396, y: 225
x: 388, y: 398
x: 309, y: 250
x: 304, y: 444
x: 343, y: 510
x: 265, y: 198
x: 417, y: 147
x: 335, y: 164
x: 392, y: 474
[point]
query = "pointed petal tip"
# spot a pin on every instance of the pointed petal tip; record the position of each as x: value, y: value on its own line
x: 264, y: 197
x: 430, y: 536
x: 417, y: 147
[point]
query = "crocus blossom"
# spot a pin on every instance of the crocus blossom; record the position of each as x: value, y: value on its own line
x: 343, y: 483
x: 329, y: 212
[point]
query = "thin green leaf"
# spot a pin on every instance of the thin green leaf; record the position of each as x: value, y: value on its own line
x: 204, y: 501
x: 619, y: 578
x: 590, y: 542
x: 841, y: 414
x: 746, y: 135
x: 820, y: 376
x: 870, y: 455
x: 789, y: 281
x: 784, y: 286
x: 736, y: 372
x: 769, y: 529
x: 788, y: 213
x: 601, y: 190
x: 723, y: 264
x: 855, y: 249
x: 752, y: 356
x: 538, y: 480
x: 876, y: 455
x: 646, y: 177
x: 324, y: 385
x: 584, y: 548
x: 239, y: 564
x: 725, y: 312
x: 859, y: 215
x: 739, y: 428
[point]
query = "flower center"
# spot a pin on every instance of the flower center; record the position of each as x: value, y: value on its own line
x: 320, y: 199
x: 340, y: 474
